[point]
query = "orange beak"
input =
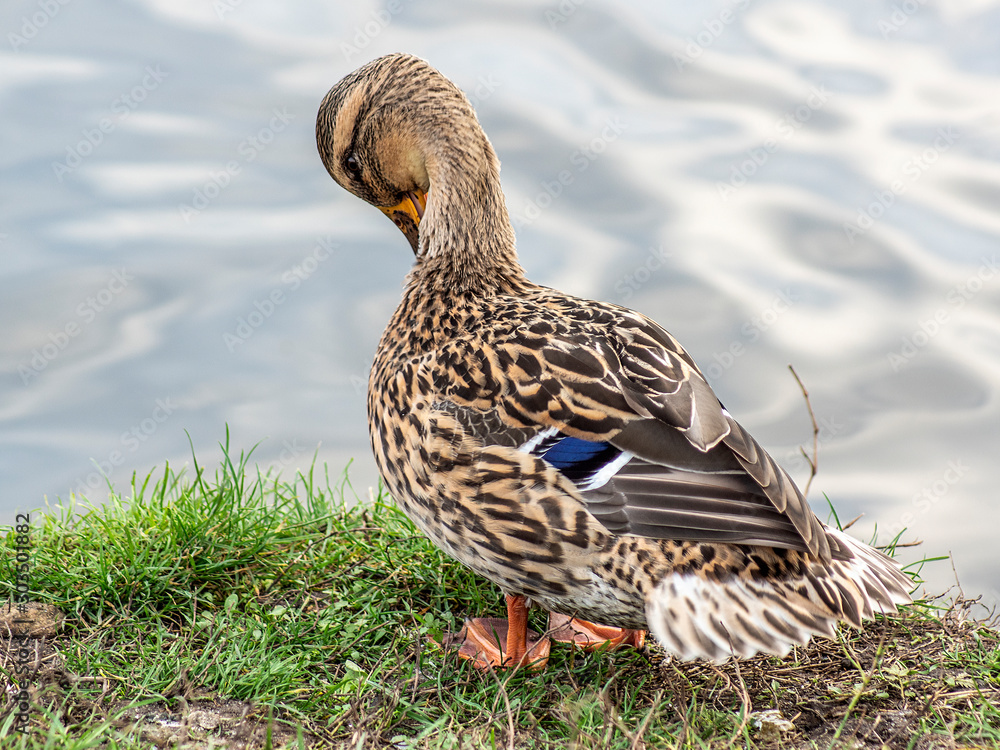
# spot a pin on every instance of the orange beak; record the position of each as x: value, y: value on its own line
x: 407, y: 215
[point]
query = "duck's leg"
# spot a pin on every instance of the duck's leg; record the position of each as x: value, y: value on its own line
x: 590, y: 636
x: 494, y: 642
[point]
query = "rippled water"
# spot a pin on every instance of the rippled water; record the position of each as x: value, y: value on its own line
x: 776, y: 182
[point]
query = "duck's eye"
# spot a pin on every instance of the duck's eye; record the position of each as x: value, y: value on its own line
x: 352, y: 166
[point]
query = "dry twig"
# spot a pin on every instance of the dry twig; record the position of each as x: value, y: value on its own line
x: 814, y: 461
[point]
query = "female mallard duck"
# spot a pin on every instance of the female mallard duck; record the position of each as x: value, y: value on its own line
x: 568, y: 450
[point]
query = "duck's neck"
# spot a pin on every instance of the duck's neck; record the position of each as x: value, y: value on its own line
x: 466, y: 240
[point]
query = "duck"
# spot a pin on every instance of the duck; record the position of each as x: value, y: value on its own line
x: 568, y: 450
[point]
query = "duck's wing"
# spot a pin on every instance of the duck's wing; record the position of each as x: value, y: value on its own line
x: 615, y: 403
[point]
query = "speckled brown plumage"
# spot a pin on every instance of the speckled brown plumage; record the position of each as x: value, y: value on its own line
x: 568, y: 450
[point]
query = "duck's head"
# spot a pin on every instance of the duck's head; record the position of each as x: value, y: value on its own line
x: 391, y: 131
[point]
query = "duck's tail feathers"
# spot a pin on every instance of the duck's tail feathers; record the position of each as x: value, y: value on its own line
x: 695, y: 617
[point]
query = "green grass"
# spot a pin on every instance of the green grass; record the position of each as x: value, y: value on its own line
x: 204, y: 611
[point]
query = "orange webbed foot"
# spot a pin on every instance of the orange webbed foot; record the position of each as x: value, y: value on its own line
x: 491, y: 642
x: 590, y: 636
x: 494, y: 642
x: 484, y: 641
